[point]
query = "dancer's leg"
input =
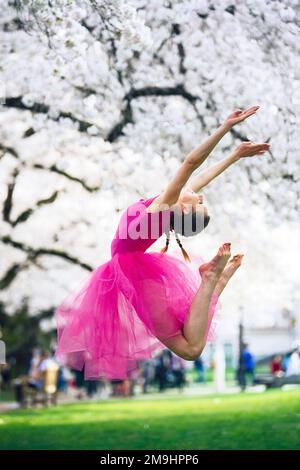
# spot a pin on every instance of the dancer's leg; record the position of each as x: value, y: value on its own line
x: 191, y: 342
x: 228, y: 272
x: 194, y: 329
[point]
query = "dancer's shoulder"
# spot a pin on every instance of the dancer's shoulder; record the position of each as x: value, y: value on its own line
x: 141, y: 203
x: 152, y: 203
x: 156, y: 205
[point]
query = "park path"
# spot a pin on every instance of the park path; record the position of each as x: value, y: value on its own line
x: 192, y: 391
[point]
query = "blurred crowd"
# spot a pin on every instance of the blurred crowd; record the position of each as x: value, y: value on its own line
x: 46, y: 378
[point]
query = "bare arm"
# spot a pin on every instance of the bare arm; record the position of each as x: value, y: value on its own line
x: 206, y: 176
x: 191, y: 162
x: 195, y: 158
x: 245, y: 149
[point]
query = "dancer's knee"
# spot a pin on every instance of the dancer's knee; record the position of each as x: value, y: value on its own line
x: 193, y: 352
x: 182, y: 348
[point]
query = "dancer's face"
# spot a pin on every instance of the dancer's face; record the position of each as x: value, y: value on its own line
x: 190, y: 201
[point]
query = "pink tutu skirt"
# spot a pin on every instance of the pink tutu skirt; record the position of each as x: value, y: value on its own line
x: 116, y: 317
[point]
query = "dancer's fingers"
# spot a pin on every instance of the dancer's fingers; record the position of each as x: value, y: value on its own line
x: 253, y: 146
x: 265, y: 147
x: 252, y: 108
x: 261, y: 146
x: 251, y: 111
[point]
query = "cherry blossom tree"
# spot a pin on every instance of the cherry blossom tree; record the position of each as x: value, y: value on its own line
x: 101, y: 101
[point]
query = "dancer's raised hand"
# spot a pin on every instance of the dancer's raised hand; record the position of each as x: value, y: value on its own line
x: 249, y: 149
x: 239, y: 115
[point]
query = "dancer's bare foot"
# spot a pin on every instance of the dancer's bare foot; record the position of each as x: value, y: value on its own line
x: 211, y: 272
x: 228, y: 272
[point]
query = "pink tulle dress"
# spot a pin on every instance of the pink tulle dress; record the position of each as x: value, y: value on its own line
x: 117, y: 315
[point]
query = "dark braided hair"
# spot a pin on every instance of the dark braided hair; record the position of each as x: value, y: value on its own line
x: 165, y: 248
x: 185, y: 255
x: 187, y: 225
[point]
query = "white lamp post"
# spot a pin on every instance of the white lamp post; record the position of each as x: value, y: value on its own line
x: 220, y: 367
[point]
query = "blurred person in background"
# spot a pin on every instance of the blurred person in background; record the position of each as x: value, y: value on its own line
x: 35, y: 361
x: 179, y: 372
x: 47, y: 361
x: 5, y: 375
x: 64, y: 376
x: 91, y: 387
x: 35, y: 373
x: 246, y: 367
x: 163, y: 368
x: 79, y: 383
x: 147, y: 373
x: 276, y: 366
x: 200, y: 368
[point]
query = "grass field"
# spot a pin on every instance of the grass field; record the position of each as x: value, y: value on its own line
x: 268, y: 420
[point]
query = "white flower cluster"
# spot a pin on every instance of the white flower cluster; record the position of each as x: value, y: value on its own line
x: 64, y: 24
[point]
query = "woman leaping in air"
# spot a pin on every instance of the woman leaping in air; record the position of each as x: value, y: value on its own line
x: 139, y: 302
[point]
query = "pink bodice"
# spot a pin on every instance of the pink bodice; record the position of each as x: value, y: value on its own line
x: 137, y: 229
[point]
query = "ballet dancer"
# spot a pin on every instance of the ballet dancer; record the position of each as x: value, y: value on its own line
x: 139, y: 302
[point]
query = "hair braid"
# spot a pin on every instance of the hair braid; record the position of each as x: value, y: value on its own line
x: 168, y: 234
x: 165, y: 248
x: 185, y: 255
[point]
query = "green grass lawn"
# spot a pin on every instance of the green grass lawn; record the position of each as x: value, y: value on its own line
x: 268, y: 420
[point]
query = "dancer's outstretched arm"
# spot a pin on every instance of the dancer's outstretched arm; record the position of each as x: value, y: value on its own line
x: 246, y: 149
x: 195, y: 158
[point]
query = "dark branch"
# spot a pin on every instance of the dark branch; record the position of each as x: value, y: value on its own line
x: 40, y: 108
x: 8, y: 203
x: 180, y: 49
x: 7, y: 206
x: 231, y: 9
x: 127, y: 115
x: 9, y: 276
x: 10, y: 150
x: 290, y: 177
x: 26, y: 214
x: 117, y: 130
x: 178, y: 90
x: 238, y: 135
x: 54, y: 169
x: 34, y: 253
x: 14, y: 25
